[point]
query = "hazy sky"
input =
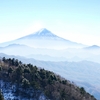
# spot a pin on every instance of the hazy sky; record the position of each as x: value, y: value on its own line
x: 76, y: 20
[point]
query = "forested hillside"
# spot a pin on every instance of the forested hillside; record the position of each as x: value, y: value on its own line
x: 29, y: 77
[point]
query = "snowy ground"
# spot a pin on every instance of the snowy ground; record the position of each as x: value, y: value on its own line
x: 8, y: 91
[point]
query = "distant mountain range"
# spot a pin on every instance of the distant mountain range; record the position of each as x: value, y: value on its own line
x: 46, y: 46
x: 93, y: 47
x: 70, y: 54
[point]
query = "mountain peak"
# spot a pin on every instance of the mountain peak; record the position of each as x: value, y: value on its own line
x: 43, y: 29
x: 93, y: 47
x: 44, y: 32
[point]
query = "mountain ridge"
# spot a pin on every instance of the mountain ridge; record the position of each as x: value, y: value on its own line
x: 44, y: 34
x: 44, y: 39
x: 28, y: 81
x: 82, y: 71
x: 93, y: 47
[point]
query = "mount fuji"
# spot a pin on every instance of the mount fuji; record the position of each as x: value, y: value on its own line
x: 45, y: 45
x: 44, y: 39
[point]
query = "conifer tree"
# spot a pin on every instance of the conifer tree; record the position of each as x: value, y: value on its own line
x: 1, y: 96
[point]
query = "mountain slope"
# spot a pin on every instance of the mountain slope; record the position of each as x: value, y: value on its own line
x: 17, y: 49
x: 44, y: 39
x: 83, y: 73
x: 93, y: 47
x: 30, y: 81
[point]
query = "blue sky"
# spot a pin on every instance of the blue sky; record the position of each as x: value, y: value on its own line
x: 76, y: 20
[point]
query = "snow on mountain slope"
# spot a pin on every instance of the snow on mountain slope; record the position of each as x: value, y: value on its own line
x: 44, y: 39
x: 43, y: 34
x: 9, y: 92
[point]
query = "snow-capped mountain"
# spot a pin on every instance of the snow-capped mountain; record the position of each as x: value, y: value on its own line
x: 44, y: 39
x: 43, y: 33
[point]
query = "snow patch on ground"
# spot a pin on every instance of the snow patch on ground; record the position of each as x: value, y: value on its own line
x: 9, y: 92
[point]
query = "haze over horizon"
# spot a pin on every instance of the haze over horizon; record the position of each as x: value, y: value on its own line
x: 74, y: 20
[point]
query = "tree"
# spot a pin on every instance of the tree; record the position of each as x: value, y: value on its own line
x: 63, y: 94
x: 16, y: 62
x: 4, y: 59
x: 1, y: 96
x: 82, y: 90
x: 26, y: 70
x: 10, y: 70
x: 25, y: 83
x: 0, y: 68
